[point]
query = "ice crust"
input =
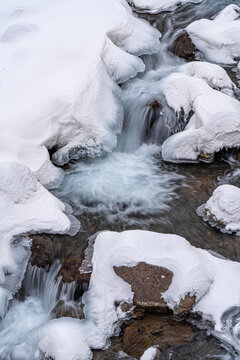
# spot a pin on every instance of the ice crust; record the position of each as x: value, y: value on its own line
x: 206, y: 95
x: 25, y: 206
x: 224, y: 207
x: 155, y: 6
x: 196, y: 272
x: 58, y: 78
x: 149, y: 354
x: 218, y: 39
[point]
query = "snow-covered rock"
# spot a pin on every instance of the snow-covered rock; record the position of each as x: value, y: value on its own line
x: 25, y: 206
x: 223, y: 208
x: 214, y: 115
x: 155, y: 6
x: 60, y: 61
x: 149, y: 354
x: 214, y: 282
x: 218, y: 39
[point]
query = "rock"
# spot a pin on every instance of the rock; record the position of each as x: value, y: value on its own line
x: 70, y: 270
x: 68, y: 309
x: 185, y: 306
x: 43, y: 252
x: 155, y: 330
x: 148, y: 282
x: 183, y: 47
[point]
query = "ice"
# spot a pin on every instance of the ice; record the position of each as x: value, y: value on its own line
x: 218, y: 39
x: 58, y: 78
x: 25, y: 207
x: 213, y: 280
x: 223, y: 207
x: 155, y: 6
x: 120, y: 185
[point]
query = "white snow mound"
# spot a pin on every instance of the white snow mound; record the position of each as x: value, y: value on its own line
x: 214, y: 121
x: 224, y: 207
x: 60, y: 61
x: 218, y: 39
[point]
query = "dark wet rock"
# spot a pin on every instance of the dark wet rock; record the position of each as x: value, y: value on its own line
x: 155, y: 330
x: 184, y: 47
x: 185, y: 306
x: 148, y: 282
x: 68, y: 309
x: 154, y: 104
x: 70, y: 270
x: 43, y: 252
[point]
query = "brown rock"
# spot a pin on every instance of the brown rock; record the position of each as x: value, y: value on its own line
x: 68, y: 309
x: 184, y: 47
x: 186, y: 304
x: 148, y: 282
x: 155, y: 330
x: 70, y: 270
x: 43, y: 252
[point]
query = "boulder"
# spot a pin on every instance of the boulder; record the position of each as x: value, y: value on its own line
x: 43, y: 252
x: 183, y: 47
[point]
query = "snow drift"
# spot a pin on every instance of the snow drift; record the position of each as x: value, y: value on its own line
x: 196, y: 272
x: 58, y: 78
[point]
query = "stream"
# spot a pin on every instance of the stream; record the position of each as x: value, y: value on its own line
x: 132, y: 188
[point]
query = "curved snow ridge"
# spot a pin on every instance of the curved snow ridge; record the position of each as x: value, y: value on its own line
x: 196, y: 272
x: 25, y: 206
x: 218, y: 39
x: 60, y: 62
x: 214, y: 121
x: 223, y: 207
x: 156, y: 6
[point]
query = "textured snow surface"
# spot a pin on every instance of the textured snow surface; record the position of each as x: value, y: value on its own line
x: 195, y: 271
x: 214, y: 115
x: 224, y: 206
x: 155, y: 6
x: 58, y: 77
x: 218, y: 39
x: 25, y: 206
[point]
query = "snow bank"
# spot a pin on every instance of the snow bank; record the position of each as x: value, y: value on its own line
x: 213, y: 115
x: 155, y: 6
x: 218, y: 39
x: 223, y: 208
x: 25, y: 206
x: 60, y: 61
x: 214, y: 281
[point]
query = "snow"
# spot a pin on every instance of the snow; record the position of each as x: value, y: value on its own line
x: 155, y: 6
x: 224, y: 207
x: 58, y: 83
x: 213, y: 280
x: 25, y: 206
x: 215, y: 121
x: 149, y: 354
x: 218, y: 39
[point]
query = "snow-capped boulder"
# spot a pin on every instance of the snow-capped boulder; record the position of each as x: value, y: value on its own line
x: 212, y: 115
x: 218, y: 39
x: 60, y: 61
x: 223, y: 209
x: 25, y: 206
x: 195, y: 271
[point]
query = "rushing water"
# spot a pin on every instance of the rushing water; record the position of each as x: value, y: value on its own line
x: 133, y: 188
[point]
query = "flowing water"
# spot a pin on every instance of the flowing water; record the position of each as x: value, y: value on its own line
x: 133, y: 188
